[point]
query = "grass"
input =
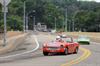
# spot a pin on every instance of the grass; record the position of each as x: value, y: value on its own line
x: 10, y: 34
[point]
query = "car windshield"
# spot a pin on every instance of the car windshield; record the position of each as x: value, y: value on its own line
x: 67, y: 39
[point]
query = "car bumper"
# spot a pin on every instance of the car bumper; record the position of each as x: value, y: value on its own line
x: 59, y: 50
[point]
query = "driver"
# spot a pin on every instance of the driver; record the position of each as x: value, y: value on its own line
x: 59, y: 39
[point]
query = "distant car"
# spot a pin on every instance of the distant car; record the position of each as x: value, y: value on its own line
x: 64, y: 46
x: 83, y: 39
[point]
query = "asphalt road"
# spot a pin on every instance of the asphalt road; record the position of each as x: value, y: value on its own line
x: 37, y: 58
x: 94, y: 59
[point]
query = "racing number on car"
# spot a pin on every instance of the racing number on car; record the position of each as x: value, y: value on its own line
x: 71, y: 47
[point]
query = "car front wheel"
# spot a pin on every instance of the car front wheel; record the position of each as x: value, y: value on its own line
x: 45, y: 53
x: 76, y: 51
x: 66, y: 51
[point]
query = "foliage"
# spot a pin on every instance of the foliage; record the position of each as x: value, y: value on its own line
x: 87, y: 17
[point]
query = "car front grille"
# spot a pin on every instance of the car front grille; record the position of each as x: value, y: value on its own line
x: 53, y: 48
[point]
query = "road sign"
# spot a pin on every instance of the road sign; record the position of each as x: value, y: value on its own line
x: 5, y: 2
x: 5, y: 10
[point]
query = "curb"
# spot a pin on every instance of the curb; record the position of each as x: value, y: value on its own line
x: 37, y: 47
x: 11, y: 46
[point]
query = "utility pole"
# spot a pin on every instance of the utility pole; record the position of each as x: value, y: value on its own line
x: 24, y: 17
x: 69, y: 27
x: 5, y: 28
x: 73, y: 25
x: 34, y: 23
x: 5, y: 10
x: 73, y: 20
x: 55, y: 23
x: 63, y: 26
x: 27, y: 22
x: 66, y: 23
x: 34, y: 20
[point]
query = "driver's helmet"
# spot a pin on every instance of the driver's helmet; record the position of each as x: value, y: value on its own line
x: 63, y: 36
x: 58, y: 38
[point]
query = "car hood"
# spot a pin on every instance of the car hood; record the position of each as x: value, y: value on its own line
x: 54, y: 44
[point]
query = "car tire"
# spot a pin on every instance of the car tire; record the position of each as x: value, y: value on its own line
x: 45, y: 53
x: 66, y: 51
x: 76, y: 51
x: 88, y: 43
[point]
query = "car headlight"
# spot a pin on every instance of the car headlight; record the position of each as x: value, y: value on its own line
x: 44, y: 45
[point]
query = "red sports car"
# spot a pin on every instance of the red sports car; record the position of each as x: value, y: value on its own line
x: 64, y: 46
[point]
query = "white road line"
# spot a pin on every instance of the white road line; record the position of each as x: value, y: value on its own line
x: 24, y: 52
x: 95, y: 43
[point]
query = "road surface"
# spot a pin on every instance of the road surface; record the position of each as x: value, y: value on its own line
x: 37, y: 58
